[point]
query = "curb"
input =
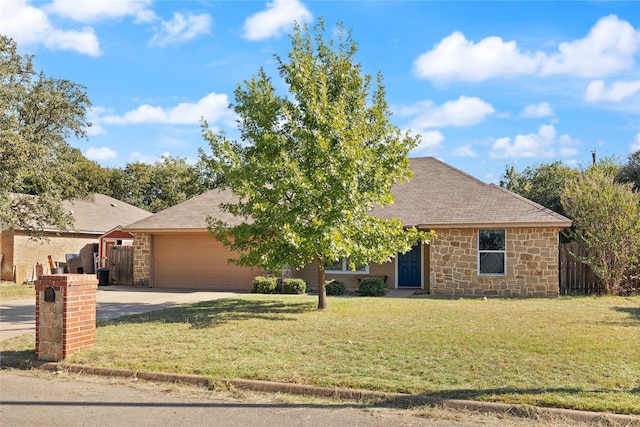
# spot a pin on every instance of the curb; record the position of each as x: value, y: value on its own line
x: 526, y: 411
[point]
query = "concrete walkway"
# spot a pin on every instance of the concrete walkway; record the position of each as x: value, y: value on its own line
x: 18, y: 317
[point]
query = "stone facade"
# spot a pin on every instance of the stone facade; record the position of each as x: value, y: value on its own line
x: 67, y: 324
x: 142, y: 259
x: 531, y: 264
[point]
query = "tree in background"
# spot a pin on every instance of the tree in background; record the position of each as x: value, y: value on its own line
x: 313, y: 166
x: 154, y: 187
x: 606, y: 218
x: 630, y: 171
x: 38, y: 114
x: 542, y: 184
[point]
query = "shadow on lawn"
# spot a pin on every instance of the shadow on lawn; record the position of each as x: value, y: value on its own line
x: 212, y: 313
x: 634, y: 313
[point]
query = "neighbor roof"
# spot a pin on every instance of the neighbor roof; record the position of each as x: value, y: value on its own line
x: 438, y: 196
x: 95, y: 215
x: 101, y: 213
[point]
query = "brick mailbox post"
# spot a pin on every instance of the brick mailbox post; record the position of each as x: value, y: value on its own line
x: 65, y: 315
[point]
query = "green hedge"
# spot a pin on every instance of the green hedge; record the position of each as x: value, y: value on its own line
x: 335, y: 287
x: 294, y: 286
x: 264, y: 285
x: 270, y: 285
x: 372, y: 287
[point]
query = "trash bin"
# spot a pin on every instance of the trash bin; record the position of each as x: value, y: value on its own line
x: 103, y: 276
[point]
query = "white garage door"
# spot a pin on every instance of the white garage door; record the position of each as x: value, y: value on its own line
x: 197, y: 261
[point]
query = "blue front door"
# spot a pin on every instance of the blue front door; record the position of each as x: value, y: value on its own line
x: 410, y: 268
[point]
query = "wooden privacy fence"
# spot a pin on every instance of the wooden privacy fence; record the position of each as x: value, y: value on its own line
x: 120, y: 261
x: 576, y: 278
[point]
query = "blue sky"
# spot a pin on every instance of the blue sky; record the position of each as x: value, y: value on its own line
x: 486, y: 84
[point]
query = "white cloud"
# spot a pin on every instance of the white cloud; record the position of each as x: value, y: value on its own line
x: 181, y: 29
x: 609, y: 47
x: 635, y: 146
x: 542, y: 109
x: 102, y: 153
x: 278, y: 18
x: 545, y: 143
x: 456, y: 58
x: 464, y: 151
x: 100, y: 10
x: 464, y: 111
x: 618, y: 92
x: 212, y: 107
x: 29, y: 25
x: 430, y: 139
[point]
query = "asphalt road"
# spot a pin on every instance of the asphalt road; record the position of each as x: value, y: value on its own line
x: 53, y: 401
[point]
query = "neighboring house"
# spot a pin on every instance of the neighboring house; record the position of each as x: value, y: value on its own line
x: 490, y: 241
x: 22, y: 256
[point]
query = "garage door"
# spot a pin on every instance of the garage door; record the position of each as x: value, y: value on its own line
x: 197, y: 261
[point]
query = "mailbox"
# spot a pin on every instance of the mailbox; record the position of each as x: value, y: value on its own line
x: 50, y: 294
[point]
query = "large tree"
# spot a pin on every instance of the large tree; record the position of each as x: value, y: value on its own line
x: 606, y: 218
x: 313, y: 164
x: 38, y: 114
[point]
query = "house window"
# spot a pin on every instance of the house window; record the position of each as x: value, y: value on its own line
x: 491, y: 252
x: 342, y: 267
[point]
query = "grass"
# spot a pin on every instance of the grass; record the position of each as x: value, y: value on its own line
x: 579, y: 353
x: 12, y: 291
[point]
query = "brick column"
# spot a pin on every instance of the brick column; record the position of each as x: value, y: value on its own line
x: 67, y: 324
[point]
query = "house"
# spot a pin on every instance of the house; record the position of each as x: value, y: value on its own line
x: 22, y: 256
x: 489, y: 241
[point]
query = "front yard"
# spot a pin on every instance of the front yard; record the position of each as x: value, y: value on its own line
x: 581, y: 353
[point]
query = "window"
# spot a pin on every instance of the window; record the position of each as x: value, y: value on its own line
x: 491, y: 252
x: 342, y: 267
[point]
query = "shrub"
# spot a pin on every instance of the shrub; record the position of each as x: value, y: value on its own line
x: 335, y: 287
x: 294, y: 286
x: 372, y: 287
x: 264, y: 285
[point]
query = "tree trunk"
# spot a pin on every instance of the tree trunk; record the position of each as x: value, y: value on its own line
x: 322, y: 291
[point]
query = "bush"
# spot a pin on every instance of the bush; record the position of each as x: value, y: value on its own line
x: 335, y: 287
x: 294, y: 286
x: 264, y: 285
x: 372, y: 287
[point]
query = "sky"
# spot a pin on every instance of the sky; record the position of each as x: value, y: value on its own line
x: 486, y: 84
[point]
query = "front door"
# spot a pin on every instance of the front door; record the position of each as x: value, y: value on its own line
x: 410, y: 268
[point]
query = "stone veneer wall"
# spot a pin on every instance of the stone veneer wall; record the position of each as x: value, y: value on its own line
x: 531, y: 264
x: 142, y: 259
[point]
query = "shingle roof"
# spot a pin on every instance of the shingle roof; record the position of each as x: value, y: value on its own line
x: 101, y: 213
x: 438, y: 196
x: 441, y: 196
x: 189, y: 215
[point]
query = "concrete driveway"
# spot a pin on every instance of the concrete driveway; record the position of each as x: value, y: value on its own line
x: 18, y: 317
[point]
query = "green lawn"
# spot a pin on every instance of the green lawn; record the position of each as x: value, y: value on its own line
x: 581, y: 353
x: 12, y: 291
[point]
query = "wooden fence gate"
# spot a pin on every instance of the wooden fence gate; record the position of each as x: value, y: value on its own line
x: 120, y: 261
x: 576, y: 278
